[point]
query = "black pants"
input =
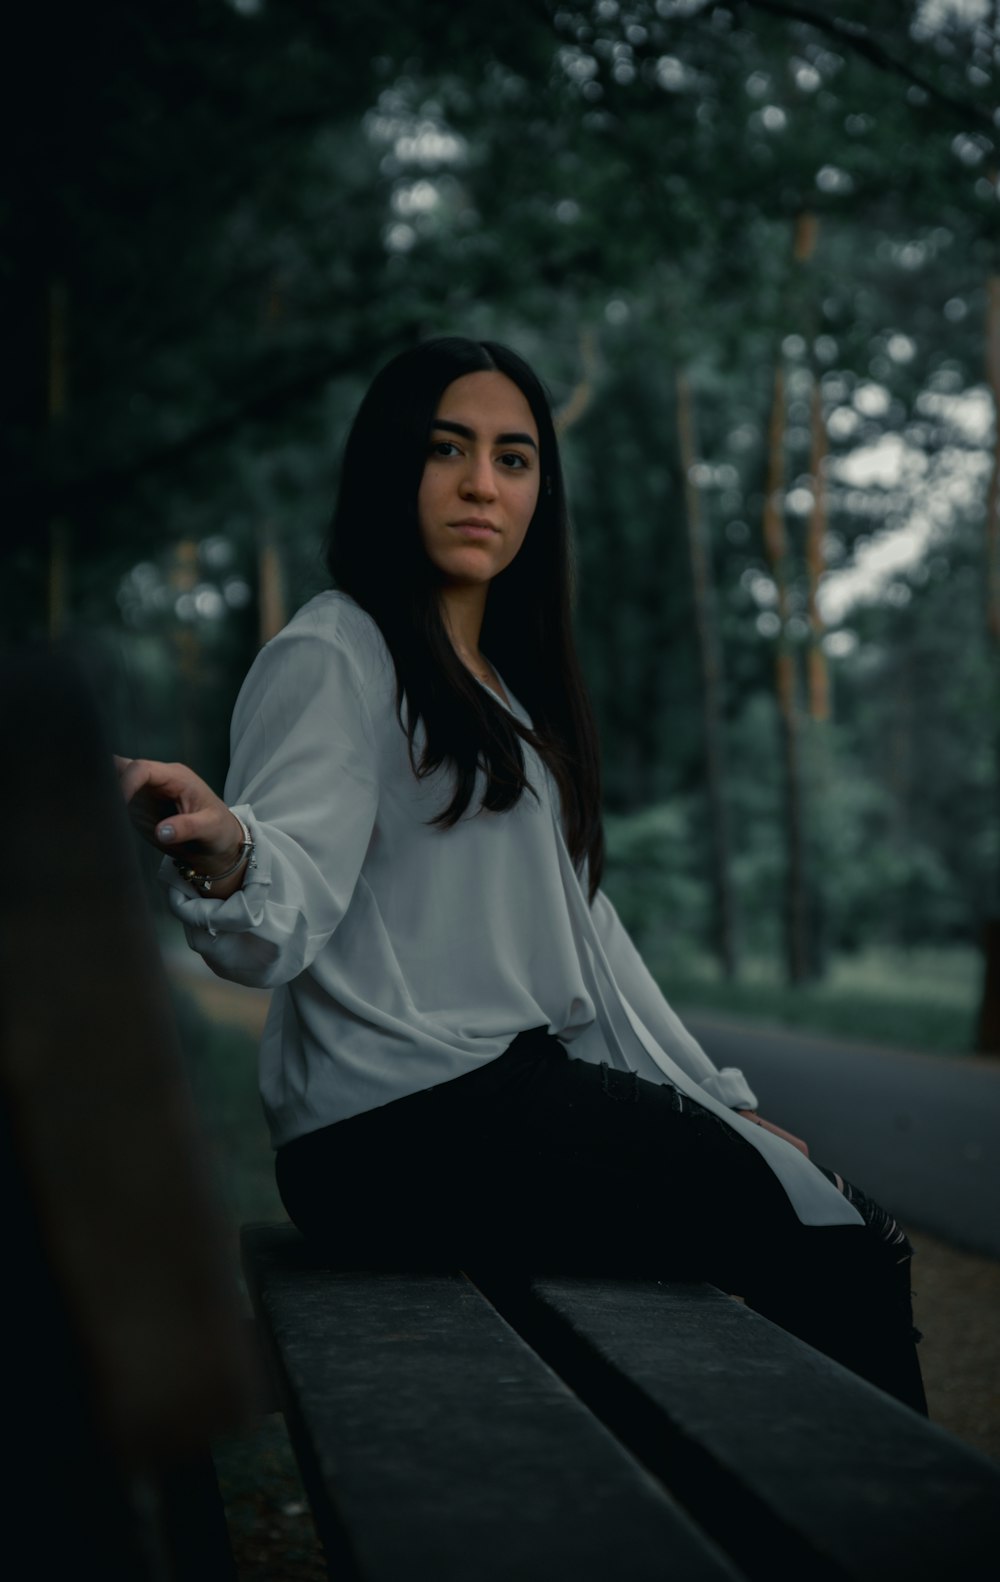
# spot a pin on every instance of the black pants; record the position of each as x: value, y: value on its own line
x: 538, y: 1162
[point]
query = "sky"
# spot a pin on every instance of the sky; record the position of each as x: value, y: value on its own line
x: 930, y: 493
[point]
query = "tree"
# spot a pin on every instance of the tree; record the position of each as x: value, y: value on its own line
x: 250, y: 210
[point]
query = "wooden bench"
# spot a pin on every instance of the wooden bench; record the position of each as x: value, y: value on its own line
x: 449, y: 1427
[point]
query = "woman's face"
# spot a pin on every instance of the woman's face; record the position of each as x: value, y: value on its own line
x: 480, y: 483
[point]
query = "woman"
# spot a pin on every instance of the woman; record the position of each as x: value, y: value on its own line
x: 465, y: 1058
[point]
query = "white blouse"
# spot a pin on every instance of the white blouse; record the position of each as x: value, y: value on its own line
x: 400, y: 954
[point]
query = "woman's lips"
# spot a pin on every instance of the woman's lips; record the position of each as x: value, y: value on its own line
x: 474, y: 528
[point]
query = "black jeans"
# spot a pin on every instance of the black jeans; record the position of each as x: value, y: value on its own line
x: 537, y: 1162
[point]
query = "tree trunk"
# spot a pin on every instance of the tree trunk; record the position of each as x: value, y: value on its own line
x: 184, y: 579
x: 776, y: 550
x: 710, y: 656
x: 819, y: 775
x: 988, y: 1023
x: 58, y: 402
x: 581, y: 393
x: 271, y: 585
x: 818, y: 671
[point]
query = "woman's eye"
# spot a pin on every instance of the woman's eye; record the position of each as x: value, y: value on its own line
x: 513, y: 460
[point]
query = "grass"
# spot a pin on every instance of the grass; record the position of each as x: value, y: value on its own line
x: 221, y: 1062
x: 924, y: 998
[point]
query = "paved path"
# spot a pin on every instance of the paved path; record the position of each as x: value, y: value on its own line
x: 919, y: 1132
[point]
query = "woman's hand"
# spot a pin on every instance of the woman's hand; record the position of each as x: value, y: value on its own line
x: 178, y: 813
x: 779, y: 1131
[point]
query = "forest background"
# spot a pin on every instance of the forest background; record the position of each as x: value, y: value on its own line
x: 754, y: 250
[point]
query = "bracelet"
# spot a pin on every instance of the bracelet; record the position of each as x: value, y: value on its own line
x: 205, y: 881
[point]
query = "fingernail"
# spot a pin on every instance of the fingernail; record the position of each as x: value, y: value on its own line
x: 166, y: 832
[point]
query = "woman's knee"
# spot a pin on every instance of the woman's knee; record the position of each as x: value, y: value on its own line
x: 878, y: 1220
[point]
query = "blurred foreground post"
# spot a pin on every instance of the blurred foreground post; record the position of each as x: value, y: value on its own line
x: 129, y: 1346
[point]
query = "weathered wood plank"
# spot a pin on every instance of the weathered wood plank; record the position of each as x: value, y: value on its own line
x: 436, y: 1445
x: 800, y: 1467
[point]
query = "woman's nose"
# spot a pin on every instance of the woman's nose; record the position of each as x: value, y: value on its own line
x: 479, y: 481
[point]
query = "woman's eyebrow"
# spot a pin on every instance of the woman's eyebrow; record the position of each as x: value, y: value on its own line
x: 470, y: 433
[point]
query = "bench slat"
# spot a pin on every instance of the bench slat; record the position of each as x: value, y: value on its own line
x: 431, y: 1434
x: 813, y: 1471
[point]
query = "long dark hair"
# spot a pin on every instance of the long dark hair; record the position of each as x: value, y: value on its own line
x: 527, y: 629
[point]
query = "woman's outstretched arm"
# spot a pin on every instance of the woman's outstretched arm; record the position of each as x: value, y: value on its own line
x: 303, y: 778
x: 177, y: 813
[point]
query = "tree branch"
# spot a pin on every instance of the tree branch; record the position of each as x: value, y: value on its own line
x: 855, y: 36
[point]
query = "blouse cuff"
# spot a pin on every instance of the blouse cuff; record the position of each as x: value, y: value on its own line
x: 731, y: 1088
x: 238, y: 911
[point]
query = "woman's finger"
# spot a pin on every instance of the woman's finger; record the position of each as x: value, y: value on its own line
x: 139, y: 774
x: 174, y: 810
x: 208, y: 832
x: 789, y: 1137
x: 173, y: 782
x: 779, y: 1131
x: 147, y: 810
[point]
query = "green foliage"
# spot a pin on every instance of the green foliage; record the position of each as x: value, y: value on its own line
x: 879, y: 882
x: 922, y: 999
x: 221, y: 1062
x: 653, y: 881
x: 247, y: 208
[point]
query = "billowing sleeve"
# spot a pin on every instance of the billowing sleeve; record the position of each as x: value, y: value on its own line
x: 303, y: 777
x: 728, y: 1086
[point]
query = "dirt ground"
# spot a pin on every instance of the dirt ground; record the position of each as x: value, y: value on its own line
x: 956, y: 1303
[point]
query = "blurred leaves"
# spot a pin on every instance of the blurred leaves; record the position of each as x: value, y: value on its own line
x: 244, y: 208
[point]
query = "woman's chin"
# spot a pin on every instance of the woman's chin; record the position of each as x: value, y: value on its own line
x: 467, y: 569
